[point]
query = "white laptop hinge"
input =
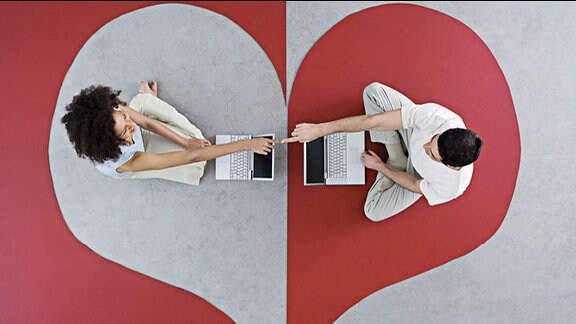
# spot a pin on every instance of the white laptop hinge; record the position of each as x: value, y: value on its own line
x: 325, y: 157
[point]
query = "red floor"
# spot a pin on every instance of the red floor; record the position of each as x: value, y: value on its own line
x: 46, y: 275
x: 338, y: 257
x: 335, y: 258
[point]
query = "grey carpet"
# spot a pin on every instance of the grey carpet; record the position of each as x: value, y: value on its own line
x: 224, y: 241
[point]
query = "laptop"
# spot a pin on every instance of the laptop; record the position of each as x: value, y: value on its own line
x: 334, y: 160
x: 244, y: 165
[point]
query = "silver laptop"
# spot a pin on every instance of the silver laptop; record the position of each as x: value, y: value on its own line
x: 334, y: 160
x: 244, y: 165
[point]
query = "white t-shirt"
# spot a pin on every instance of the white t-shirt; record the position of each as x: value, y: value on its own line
x: 109, y: 166
x: 440, y: 184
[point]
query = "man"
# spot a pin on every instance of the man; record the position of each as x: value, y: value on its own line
x: 440, y: 150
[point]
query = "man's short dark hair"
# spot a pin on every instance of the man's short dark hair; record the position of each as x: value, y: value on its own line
x: 459, y: 147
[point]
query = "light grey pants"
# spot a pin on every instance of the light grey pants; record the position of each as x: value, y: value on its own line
x: 382, y: 204
x: 164, y: 113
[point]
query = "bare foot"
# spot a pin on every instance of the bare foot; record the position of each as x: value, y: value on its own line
x: 143, y: 87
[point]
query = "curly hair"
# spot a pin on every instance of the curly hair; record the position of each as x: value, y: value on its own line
x: 459, y: 147
x: 90, y: 124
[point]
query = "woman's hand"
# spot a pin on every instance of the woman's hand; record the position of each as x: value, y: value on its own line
x: 261, y: 145
x: 195, y: 143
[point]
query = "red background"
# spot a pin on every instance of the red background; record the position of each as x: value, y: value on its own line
x: 47, y: 275
x: 336, y: 256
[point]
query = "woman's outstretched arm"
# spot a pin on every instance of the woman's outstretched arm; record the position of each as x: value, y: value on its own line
x: 142, y: 161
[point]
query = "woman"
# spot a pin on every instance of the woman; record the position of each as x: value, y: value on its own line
x: 146, y: 139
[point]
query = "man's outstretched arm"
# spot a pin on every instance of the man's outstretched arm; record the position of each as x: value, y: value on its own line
x: 390, y: 120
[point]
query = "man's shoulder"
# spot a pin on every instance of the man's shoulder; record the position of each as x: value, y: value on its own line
x: 446, y: 184
x: 443, y: 113
x: 436, y: 106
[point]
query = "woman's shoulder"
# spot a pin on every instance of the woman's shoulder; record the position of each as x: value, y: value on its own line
x: 109, y: 166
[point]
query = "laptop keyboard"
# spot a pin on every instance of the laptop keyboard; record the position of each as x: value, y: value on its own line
x: 337, y: 158
x: 239, y: 161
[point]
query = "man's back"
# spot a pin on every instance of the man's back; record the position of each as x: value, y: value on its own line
x: 440, y: 183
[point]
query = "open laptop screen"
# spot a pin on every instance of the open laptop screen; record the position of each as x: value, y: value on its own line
x: 315, y: 161
x: 263, y: 163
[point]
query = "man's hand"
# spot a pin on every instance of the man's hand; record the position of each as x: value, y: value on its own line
x: 372, y: 161
x: 195, y: 143
x: 305, y: 133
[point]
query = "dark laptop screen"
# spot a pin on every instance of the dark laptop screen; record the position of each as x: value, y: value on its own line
x: 315, y: 161
x: 263, y: 164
